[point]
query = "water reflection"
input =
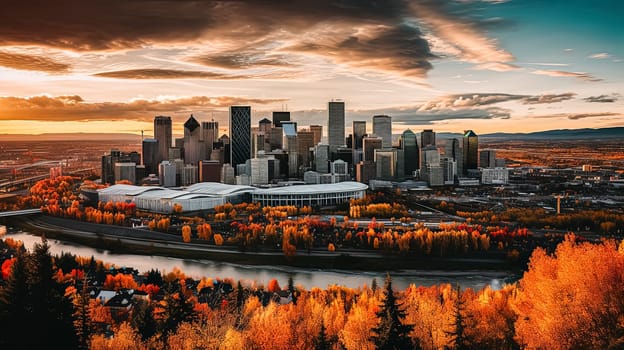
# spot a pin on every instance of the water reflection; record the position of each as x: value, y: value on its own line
x: 254, y: 274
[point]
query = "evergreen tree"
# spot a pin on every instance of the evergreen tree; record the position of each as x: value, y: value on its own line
x: 14, y: 304
x: 321, y: 339
x: 82, y: 319
x: 390, y: 333
x: 292, y: 290
x: 178, y: 308
x: 240, y: 296
x: 51, y: 313
x: 143, y: 319
x: 457, y: 334
x: 374, y: 285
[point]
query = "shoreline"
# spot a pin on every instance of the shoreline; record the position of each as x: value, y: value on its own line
x: 121, y: 240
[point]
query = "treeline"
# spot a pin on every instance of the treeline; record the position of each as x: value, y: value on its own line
x: 569, y: 300
x: 605, y: 221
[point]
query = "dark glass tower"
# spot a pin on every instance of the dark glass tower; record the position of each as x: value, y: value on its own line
x: 162, y: 133
x: 411, y: 154
x: 471, y: 150
x: 240, y: 135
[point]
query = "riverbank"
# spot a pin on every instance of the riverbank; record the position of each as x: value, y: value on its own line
x: 145, y: 242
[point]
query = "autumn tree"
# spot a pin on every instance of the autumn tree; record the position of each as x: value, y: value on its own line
x: 573, y: 298
x: 391, y: 333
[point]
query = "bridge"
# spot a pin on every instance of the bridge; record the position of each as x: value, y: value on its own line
x: 6, y: 214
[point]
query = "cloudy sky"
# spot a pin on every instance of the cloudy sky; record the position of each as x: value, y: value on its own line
x: 450, y: 65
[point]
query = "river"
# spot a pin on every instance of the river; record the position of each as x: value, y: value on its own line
x: 250, y: 274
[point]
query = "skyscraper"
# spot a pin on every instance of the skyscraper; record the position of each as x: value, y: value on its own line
x: 150, y: 156
x: 454, y: 152
x: 210, y: 134
x: 336, y: 125
x: 279, y: 117
x: 411, y: 154
x: 359, y: 130
x: 470, y: 151
x: 162, y: 133
x: 370, y: 144
x: 240, y: 135
x: 192, y: 147
x: 427, y: 138
x: 318, y: 133
x: 382, y: 127
x: 487, y: 158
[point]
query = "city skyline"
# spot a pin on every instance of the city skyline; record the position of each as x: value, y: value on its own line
x: 448, y: 65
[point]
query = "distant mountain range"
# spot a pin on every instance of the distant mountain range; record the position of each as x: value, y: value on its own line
x: 561, y: 134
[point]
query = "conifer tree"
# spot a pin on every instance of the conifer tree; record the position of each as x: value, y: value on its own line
x: 178, y: 308
x: 457, y: 333
x: 390, y: 332
x: 292, y: 290
x: 321, y: 339
x: 143, y: 319
x: 82, y: 319
x: 14, y: 304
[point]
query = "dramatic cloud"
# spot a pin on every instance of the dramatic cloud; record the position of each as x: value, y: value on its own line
x: 576, y: 116
x: 462, y: 38
x: 32, y: 62
x: 481, y: 99
x: 366, y: 34
x: 154, y: 73
x: 74, y: 108
x: 559, y: 73
x: 602, y: 98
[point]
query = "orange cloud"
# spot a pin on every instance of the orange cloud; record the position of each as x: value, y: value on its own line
x: 74, y: 108
x: 32, y: 62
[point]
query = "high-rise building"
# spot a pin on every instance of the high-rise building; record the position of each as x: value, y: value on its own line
x: 209, y: 135
x: 359, y: 130
x: 386, y: 162
x: 150, y: 156
x: 116, y: 156
x: 125, y: 171
x: 370, y: 144
x: 336, y: 125
x: 167, y: 173
x: 192, y: 146
x: 240, y: 135
x: 305, y: 141
x: 321, y: 158
x: 411, y: 155
x: 318, y: 133
x: 365, y: 171
x: 487, y: 158
x: 189, y: 174
x: 382, y: 127
x: 279, y: 118
x: 209, y: 171
x: 427, y: 138
x: 290, y: 135
x: 452, y: 150
x: 470, y: 151
x: 162, y: 133
x: 449, y: 170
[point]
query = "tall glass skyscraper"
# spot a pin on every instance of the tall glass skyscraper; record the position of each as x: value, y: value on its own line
x: 336, y: 125
x: 359, y: 130
x: 411, y: 155
x: 382, y: 127
x: 162, y: 133
x: 240, y: 135
x: 471, y: 150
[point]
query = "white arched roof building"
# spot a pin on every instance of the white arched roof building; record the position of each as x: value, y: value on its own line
x: 323, y: 195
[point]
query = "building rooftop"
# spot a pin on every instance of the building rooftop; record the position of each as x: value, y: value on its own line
x: 321, y: 188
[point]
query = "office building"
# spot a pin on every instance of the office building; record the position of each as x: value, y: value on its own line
x: 227, y: 174
x: 411, y: 155
x: 382, y: 127
x: 318, y: 133
x: 162, y: 133
x: 386, y: 162
x: 321, y: 158
x: 305, y: 141
x: 494, y: 176
x: 290, y: 135
x: 452, y: 150
x: 209, y: 135
x: 193, y: 151
x: 209, y: 171
x: 336, y: 125
x: 370, y: 144
x: 167, y: 174
x: 427, y: 138
x: 150, y: 155
x: 279, y: 118
x: 359, y: 130
x: 365, y: 171
x: 189, y: 174
x: 240, y: 135
x: 125, y: 171
x: 116, y: 156
x: 259, y: 171
x: 487, y: 158
x: 470, y: 151
x: 449, y: 170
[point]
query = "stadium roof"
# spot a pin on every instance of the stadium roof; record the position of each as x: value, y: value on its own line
x: 129, y: 190
x: 311, y: 189
x: 219, y: 189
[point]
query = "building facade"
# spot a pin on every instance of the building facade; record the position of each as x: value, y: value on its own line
x: 240, y: 135
x: 336, y: 125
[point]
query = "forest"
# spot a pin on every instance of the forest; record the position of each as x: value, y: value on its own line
x: 570, y: 299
